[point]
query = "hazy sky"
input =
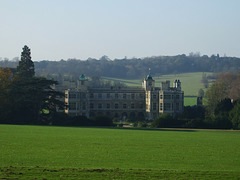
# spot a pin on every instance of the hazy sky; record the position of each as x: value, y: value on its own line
x: 62, y: 29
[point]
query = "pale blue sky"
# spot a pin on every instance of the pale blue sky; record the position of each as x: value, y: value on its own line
x: 62, y: 29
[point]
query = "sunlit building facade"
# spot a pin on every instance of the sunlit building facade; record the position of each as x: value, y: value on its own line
x: 146, y: 102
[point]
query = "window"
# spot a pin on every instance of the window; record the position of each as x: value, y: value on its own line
x: 141, y: 106
x: 99, y: 106
x: 124, y: 106
x: 116, y: 96
x: 124, y: 96
x: 84, y: 106
x: 161, y: 96
x: 72, y: 106
x: 66, y: 96
x: 177, y: 106
x: 132, y: 96
x: 99, y: 96
x: 116, y: 106
x: 91, y: 105
x: 154, y: 106
x: 108, y: 95
x: 154, y: 96
x: 72, y: 96
x: 108, y: 106
x: 132, y: 106
x: 161, y: 106
x: 141, y: 95
x: 166, y: 96
x: 167, y: 106
x: 177, y: 96
x: 91, y: 95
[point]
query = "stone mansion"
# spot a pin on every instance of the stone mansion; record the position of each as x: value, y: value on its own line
x: 146, y: 102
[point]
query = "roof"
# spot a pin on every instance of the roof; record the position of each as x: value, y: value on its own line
x: 82, y: 77
x: 149, y: 76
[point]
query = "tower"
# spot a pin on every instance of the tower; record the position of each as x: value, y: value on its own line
x: 82, y: 82
x: 148, y: 82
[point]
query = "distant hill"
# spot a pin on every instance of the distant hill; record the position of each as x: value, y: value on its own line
x: 133, y: 68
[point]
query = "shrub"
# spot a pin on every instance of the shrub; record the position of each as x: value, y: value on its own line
x: 142, y: 124
x: 60, y: 119
x: 80, y: 121
x: 102, y: 120
x: 164, y: 120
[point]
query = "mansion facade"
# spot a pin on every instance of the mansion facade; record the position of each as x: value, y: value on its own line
x: 146, y: 102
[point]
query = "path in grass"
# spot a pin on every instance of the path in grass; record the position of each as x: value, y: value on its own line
x: 120, y: 149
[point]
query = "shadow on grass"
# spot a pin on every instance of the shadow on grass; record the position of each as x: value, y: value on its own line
x: 112, y: 173
x: 156, y: 129
x: 136, y: 129
x: 111, y: 127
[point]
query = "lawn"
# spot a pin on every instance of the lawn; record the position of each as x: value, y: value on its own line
x: 190, y: 101
x: 100, y: 153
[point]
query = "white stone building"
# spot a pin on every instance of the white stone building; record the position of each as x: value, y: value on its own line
x: 146, y: 102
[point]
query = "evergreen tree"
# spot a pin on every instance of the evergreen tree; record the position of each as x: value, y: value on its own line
x: 35, y: 101
x: 25, y: 69
x: 235, y: 115
x: 32, y: 99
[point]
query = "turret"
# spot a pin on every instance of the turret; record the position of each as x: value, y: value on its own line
x: 82, y: 82
x: 177, y: 85
x: 148, y: 83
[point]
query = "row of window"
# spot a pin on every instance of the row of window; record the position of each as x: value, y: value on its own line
x: 115, y: 95
x: 166, y: 107
x: 106, y: 95
x: 118, y: 96
x: 75, y: 106
x: 116, y: 106
x: 154, y: 96
x: 168, y: 96
x: 169, y: 106
x: 154, y: 106
x: 116, y: 114
x: 75, y: 95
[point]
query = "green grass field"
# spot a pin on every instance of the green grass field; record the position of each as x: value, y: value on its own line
x: 190, y: 101
x: 191, y: 83
x: 29, y: 152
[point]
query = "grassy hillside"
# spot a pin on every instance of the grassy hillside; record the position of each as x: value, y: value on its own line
x: 34, y: 151
x: 191, y: 83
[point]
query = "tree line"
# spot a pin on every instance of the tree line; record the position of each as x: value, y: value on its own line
x: 29, y: 99
x: 222, y: 110
x: 134, y: 67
